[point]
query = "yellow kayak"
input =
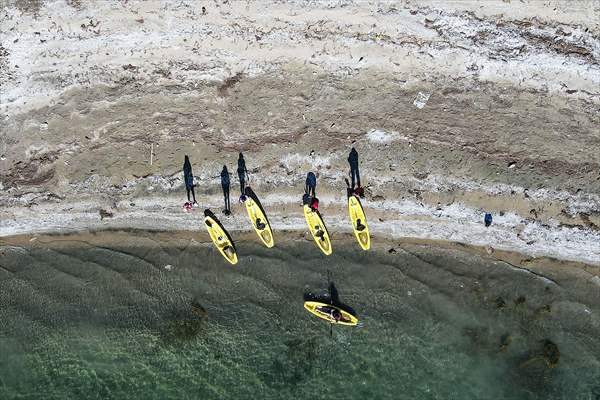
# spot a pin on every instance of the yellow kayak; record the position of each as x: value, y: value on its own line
x: 220, y: 237
x: 359, y: 222
x: 327, y: 311
x: 318, y: 229
x: 259, y: 222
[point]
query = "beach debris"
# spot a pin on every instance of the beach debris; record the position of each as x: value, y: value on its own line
x: 512, y: 164
x: 487, y: 219
x: 392, y: 251
x: 168, y: 267
x: 505, y: 341
x: 421, y: 100
x: 105, y: 214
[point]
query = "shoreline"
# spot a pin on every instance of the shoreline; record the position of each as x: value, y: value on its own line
x: 546, y: 268
x: 409, y: 219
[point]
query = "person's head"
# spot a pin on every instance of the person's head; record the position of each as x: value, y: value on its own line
x: 186, y: 158
x: 358, y: 221
x: 241, y: 156
x: 224, y: 170
x: 336, y: 314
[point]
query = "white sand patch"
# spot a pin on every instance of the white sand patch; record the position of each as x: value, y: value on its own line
x: 380, y: 136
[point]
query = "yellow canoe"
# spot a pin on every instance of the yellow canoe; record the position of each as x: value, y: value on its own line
x: 257, y: 216
x: 317, y: 229
x: 324, y: 311
x: 357, y: 215
x: 220, y: 238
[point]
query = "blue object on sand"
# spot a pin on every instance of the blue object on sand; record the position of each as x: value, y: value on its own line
x: 487, y: 219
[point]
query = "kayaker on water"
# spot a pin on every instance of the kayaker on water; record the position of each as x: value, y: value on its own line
x: 336, y: 314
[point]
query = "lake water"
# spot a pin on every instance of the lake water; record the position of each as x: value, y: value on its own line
x: 158, y: 316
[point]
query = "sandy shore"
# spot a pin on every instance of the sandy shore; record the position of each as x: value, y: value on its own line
x: 455, y: 110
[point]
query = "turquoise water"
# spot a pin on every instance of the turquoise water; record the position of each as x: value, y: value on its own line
x: 99, y: 316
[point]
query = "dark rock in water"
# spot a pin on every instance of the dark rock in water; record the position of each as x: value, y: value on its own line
x: 505, y: 341
x: 500, y: 303
x: 198, y: 310
x: 551, y: 353
x: 392, y: 251
x: 520, y: 300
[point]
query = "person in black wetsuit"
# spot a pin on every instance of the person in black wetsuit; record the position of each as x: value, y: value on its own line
x: 188, y: 177
x: 225, y: 185
x: 353, y: 161
x: 311, y: 184
x: 242, y: 173
x: 260, y: 225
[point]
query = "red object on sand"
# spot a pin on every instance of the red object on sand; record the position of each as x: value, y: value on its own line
x: 187, y: 206
x: 315, y: 204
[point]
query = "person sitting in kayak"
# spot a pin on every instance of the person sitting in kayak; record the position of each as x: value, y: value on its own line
x: 260, y: 225
x: 359, y: 226
x: 336, y: 314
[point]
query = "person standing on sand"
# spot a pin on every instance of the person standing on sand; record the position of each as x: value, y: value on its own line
x: 225, y: 185
x: 311, y: 184
x: 188, y: 178
x: 242, y: 174
x: 354, y: 173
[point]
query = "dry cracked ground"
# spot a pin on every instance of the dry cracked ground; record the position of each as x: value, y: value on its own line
x: 456, y: 108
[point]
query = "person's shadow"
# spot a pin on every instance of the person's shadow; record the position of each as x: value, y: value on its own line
x: 331, y: 297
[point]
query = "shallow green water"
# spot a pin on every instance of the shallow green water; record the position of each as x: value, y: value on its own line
x: 86, y: 319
